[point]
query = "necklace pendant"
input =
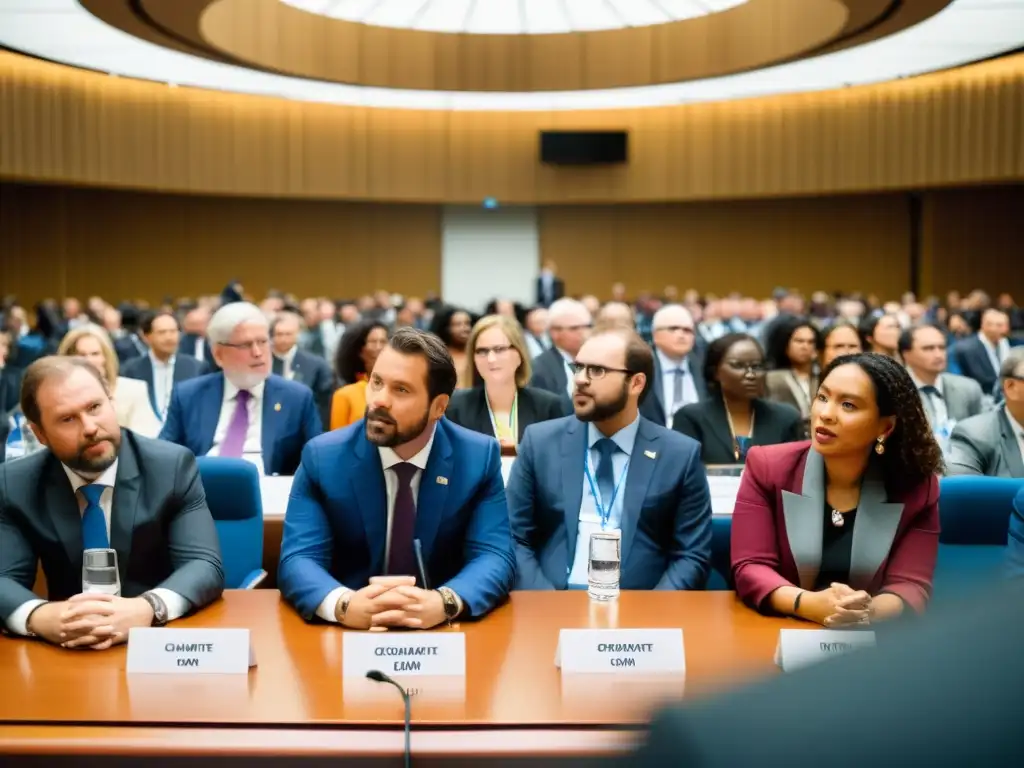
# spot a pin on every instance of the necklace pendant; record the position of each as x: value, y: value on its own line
x: 837, y: 518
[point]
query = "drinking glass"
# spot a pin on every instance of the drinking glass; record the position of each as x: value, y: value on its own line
x: 99, y: 572
x: 603, y: 580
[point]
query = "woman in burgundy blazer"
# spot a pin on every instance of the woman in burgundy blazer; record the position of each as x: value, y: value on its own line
x: 843, y: 530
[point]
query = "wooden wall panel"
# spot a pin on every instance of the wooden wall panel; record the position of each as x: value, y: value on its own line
x: 954, y: 128
x: 63, y: 241
x: 851, y: 243
x: 973, y: 238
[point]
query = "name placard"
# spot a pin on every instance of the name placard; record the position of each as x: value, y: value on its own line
x: 620, y: 651
x: 163, y: 650
x: 800, y: 648
x: 435, y: 654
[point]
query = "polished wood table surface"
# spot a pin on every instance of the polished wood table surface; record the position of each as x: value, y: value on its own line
x: 296, y: 699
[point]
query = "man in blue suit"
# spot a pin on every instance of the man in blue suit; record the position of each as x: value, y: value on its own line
x: 243, y: 411
x: 608, y: 468
x: 365, y: 493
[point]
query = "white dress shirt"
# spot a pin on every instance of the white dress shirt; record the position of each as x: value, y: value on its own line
x: 388, y: 460
x: 668, y: 374
x: 163, y: 383
x: 934, y: 405
x: 288, y: 360
x: 177, y: 606
x: 253, y: 448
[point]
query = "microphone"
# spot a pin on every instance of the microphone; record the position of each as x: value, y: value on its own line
x: 379, y: 677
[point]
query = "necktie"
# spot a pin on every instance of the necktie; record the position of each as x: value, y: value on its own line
x: 94, y: 524
x: 402, y: 559
x: 606, y: 448
x: 238, y: 427
x: 278, y: 366
x: 677, y: 389
x: 930, y: 391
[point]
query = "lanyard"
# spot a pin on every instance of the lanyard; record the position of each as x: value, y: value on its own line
x: 513, y: 418
x: 168, y: 371
x: 603, y: 512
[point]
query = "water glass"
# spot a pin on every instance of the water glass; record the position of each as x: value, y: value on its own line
x: 99, y: 572
x: 603, y: 579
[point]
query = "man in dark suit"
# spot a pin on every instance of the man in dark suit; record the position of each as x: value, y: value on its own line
x: 243, y: 411
x: 980, y: 356
x: 99, y: 486
x: 193, y: 338
x: 161, y: 367
x: 570, y: 480
x: 569, y: 323
x: 347, y: 554
x: 678, y: 365
x: 131, y: 345
x: 550, y: 288
x: 300, y: 366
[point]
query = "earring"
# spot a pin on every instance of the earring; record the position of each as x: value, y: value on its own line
x: 880, y: 446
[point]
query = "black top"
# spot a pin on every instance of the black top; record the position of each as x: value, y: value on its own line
x: 707, y: 423
x: 836, y: 545
x: 468, y: 408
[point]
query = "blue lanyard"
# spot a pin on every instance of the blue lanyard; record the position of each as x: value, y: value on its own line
x: 604, y: 513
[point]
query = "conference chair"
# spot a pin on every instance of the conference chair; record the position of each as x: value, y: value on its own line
x: 233, y: 495
x: 974, y: 517
x: 721, y: 554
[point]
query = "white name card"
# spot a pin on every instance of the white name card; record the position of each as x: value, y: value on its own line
x: 620, y: 651
x: 162, y: 650
x: 438, y: 654
x: 800, y: 648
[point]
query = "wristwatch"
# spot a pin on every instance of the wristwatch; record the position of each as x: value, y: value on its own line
x: 451, y: 604
x: 159, y: 608
x: 341, y: 607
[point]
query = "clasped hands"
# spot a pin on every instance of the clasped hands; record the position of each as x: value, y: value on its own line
x: 838, y: 606
x: 389, y: 602
x: 93, y: 621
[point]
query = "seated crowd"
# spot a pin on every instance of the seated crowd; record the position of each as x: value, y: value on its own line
x: 844, y: 413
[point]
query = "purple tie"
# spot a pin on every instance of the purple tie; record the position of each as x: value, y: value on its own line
x: 238, y: 427
x: 402, y: 561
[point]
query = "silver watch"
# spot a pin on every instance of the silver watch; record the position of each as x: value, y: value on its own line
x: 159, y: 608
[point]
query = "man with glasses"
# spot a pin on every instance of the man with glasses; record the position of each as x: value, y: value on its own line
x: 243, y: 411
x: 568, y: 326
x: 606, y: 468
x: 677, y: 365
x: 992, y: 443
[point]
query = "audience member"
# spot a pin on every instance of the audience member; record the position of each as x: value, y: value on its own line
x: 300, y: 366
x: 735, y: 416
x: 840, y: 338
x: 357, y: 352
x: 347, y: 553
x: 844, y: 531
x: 615, y: 314
x: 569, y: 324
x: 453, y: 325
x: 141, y: 497
x: 980, y: 356
x: 500, y: 403
x: 550, y: 287
x: 606, y: 468
x: 678, y: 365
x: 193, y: 337
x: 535, y: 327
x: 881, y: 334
x: 792, y: 356
x: 10, y: 379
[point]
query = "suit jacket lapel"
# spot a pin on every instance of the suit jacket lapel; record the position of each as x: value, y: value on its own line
x: 527, y: 412
x: 433, y: 492
x: 478, y: 418
x: 574, y: 447
x: 638, y: 478
x: 124, y: 505
x: 1010, y: 448
x: 720, y: 426
x: 272, y: 414
x: 873, y: 531
x: 62, y: 507
x: 368, y: 489
x: 659, y: 389
x: 208, y: 415
x: 803, y: 514
x: 150, y: 373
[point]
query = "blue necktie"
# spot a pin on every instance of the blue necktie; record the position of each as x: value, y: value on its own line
x: 606, y: 448
x: 94, y: 524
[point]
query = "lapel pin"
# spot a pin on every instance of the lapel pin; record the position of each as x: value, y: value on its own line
x: 650, y: 454
x: 442, y: 480
x: 277, y: 406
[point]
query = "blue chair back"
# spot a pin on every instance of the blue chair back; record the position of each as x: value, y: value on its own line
x: 974, y: 515
x: 233, y: 495
x: 720, y: 577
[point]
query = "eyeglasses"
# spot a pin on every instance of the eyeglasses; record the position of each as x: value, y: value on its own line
x: 498, y: 351
x: 755, y: 368
x: 254, y: 345
x: 676, y: 329
x: 596, y: 372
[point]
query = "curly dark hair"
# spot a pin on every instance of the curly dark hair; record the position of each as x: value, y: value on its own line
x: 348, y: 363
x: 912, y: 454
x: 717, y: 350
x: 782, y: 331
x: 440, y: 326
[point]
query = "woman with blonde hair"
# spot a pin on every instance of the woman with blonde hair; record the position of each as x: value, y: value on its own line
x: 131, y: 397
x: 499, y: 403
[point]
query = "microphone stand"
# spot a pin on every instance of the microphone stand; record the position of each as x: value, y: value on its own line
x: 379, y: 677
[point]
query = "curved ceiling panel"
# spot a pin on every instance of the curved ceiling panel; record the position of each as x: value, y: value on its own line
x: 964, y: 31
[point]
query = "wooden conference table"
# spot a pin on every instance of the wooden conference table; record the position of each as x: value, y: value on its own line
x: 80, y: 707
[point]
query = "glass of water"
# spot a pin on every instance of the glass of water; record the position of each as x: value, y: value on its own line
x: 603, y: 580
x: 99, y: 572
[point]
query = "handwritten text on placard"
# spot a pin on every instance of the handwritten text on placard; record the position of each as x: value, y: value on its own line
x: 440, y: 653
x: 800, y: 648
x: 620, y: 650
x: 163, y: 650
